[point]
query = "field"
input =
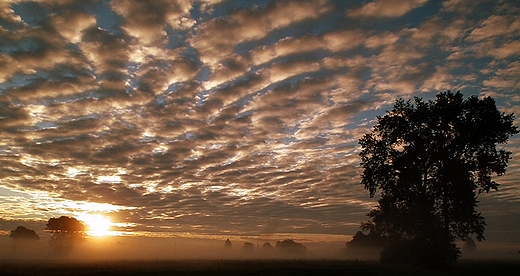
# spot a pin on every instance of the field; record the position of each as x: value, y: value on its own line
x: 249, y: 267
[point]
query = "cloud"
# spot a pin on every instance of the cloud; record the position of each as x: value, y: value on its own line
x: 441, y: 80
x: 397, y: 67
x: 109, y: 53
x: 286, y: 46
x: 388, y: 8
x: 344, y: 40
x: 282, y: 71
x: 504, y: 78
x: 494, y: 26
x: 381, y: 40
x: 147, y: 20
x: 466, y: 7
x: 155, y: 76
x: 30, y: 50
x: 8, y: 18
x: 217, y: 39
x: 70, y: 24
x: 503, y: 51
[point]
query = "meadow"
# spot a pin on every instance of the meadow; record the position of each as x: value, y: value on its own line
x: 249, y: 267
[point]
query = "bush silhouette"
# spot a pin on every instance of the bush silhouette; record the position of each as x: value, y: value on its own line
x: 227, y: 244
x: 267, y: 247
x: 22, y: 235
x: 290, y: 247
x: 248, y: 247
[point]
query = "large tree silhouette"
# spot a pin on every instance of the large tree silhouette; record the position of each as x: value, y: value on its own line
x: 430, y: 160
x: 65, y: 231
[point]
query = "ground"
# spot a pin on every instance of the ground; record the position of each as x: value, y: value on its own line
x: 250, y: 267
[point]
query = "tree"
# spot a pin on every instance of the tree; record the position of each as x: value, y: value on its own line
x: 21, y: 235
x: 65, y: 231
x: 227, y: 244
x: 267, y: 246
x: 372, y: 240
x: 289, y: 246
x: 248, y: 247
x: 430, y: 160
x: 469, y: 245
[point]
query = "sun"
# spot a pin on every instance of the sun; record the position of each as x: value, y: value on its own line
x: 97, y: 225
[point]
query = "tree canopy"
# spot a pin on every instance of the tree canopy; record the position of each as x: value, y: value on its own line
x: 248, y: 247
x: 372, y: 240
x: 23, y: 233
x: 289, y: 246
x: 267, y: 246
x: 227, y: 244
x: 65, y: 231
x: 429, y: 160
x: 65, y: 224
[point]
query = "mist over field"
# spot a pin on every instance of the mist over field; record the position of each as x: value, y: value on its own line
x: 181, y: 248
x: 130, y: 255
x: 140, y: 248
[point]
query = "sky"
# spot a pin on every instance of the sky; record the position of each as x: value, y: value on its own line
x: 217, y: 118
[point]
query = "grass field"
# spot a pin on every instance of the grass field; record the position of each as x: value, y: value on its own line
x: 250, y: 267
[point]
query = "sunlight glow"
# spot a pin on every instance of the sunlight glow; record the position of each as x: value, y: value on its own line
x: 108, y: 179
x: 72, y: 172
x: 97, y: 225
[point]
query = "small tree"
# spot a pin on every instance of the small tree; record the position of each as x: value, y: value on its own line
x: 227, y: 244
x: 65, y: 231
x: 289, y: 246
x: 429, y: 159
x: 469, y: 245
x: 22, y: 234
x: 372, y: 240
x: 267, y: 247
x: 248, y: 247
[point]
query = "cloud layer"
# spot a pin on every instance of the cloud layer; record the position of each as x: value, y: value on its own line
x: 227, y: 116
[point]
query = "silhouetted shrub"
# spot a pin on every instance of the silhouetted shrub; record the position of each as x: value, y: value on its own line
x: 227, y: 244
x: 248, y: 247
x: 267, y: 246
x: 469, y: 245
x: 22, y: 233
x: 22, y: 236
x: 290, y: 247
x: 360, y: 240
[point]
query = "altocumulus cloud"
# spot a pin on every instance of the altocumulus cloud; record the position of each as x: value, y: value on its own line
x: 239, y: 117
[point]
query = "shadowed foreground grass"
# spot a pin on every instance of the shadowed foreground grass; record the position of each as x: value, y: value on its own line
x: 251, y: 267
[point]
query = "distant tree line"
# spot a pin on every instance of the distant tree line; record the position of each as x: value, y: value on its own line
x: 65, y: 232
x: 286, y: 247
